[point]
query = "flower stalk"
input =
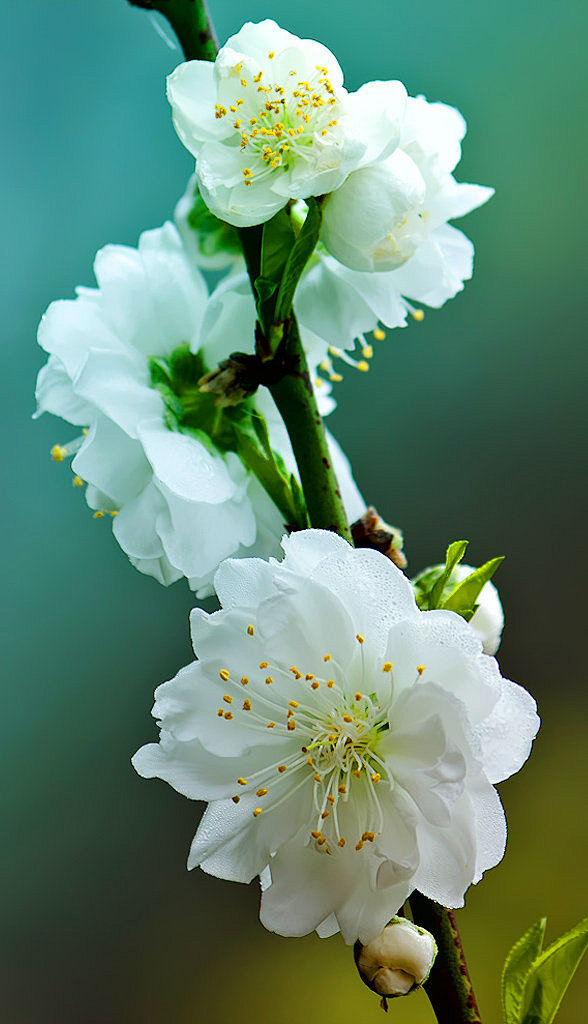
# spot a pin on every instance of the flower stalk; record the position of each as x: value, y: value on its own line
x: 191, y: 23
x: 449, y: 986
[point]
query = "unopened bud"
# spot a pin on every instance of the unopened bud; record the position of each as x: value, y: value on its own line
x: 371, y: 531
x: 398, y: 960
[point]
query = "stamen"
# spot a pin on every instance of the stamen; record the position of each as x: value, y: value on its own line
x: 224, y: 674
x: 250, y: 630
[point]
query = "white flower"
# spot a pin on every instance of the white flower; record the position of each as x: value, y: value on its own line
x: 270, y: 121
x: 392, y: 217
x: 181, y: 502
x: 397, y: 959
x: 347, y: 742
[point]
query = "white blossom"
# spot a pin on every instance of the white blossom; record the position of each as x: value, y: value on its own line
x: 347, y: 743
x: 392, y: 217
x: 271, y: 121
x: 179, y: 504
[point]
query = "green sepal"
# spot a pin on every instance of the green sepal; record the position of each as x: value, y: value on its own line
x: 433, y: 597
x: 298, y: 257
x: 551, y: 973
x: 462, y: 599
x: 516, y: 970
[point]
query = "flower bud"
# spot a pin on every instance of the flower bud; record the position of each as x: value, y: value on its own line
x: 373, y: 221
x: 371, y: 531
x: 398, y: 960
x: 488, y: 619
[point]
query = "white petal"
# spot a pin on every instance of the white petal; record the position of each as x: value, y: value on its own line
x: 376, y: 112
x: 118, y: 387
x: 191, y: 90
x: 112, y: 461
x: 55, y: 394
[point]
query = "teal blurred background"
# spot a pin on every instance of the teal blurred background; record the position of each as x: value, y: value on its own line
x: 472, y: 424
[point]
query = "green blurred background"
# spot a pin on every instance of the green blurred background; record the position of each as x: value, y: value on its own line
x: 471, y: 425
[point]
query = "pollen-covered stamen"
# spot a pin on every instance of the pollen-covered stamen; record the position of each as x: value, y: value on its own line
x: 60, y: 452
x: 279, y: 123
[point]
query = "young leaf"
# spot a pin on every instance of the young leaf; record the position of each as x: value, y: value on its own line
x: 453, y: 557
x: 276, y: 242
x: 264, y: 289
x: 551, y: 974
x: 298, y: 257
x: 464, y: 596
x: 516, y: 969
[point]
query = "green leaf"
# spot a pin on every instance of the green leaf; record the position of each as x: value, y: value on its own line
x: 550, y: 975
x: 264, y: 289
x: 464, y: 596
x: 516, y: 969
x: 298, y: 257
x: 276, y: 242
x: 453, y: 557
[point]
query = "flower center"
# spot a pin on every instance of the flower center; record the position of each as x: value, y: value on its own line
x: 338, y: 758
x: 276, y: 124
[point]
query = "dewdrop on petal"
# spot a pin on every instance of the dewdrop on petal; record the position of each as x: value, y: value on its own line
x: 398, y: 960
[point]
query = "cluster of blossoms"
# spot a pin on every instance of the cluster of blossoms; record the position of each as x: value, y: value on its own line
x: 346, y: 741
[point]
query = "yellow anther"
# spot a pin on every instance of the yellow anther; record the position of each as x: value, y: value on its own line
x: 330, y: 683
x: 269, y: 680
x: 263, y: 664
x: 271, y: 54
x: 375, y: 776
x: 342, y: 789
x: 331, y: 799
x: 291, y: 725
x: 358, y: 695
x: 367, y: 351
x: 237, y: 123
x: 347, y: 718
x: 113, y: 512
x: 418, y: 315
x: 293, y: 703
x: 248, y: 181
x: 316, y: 834
x: 227, y: 698
x: 228, y: 715
x: 219, y: 111
x: 242, y: 782
x: 421, y: 669
x: 235, y: 799
x: 224, y: 674
x: 363, y: 366
x: 299, y: 130
x: 220, y: 713
x: 315, y: 684
x: 309, y: 676
x: 243, y: 82
x: 239, y: 103
x: 368, y: 837
x: 98, y: 515
x: 325, y: 814
x: 250, y: 630
x: 261, y: 792
x: 257, y: 812
x: 321, y: 840
x: 282, y: 768
x: 77, y: 481
x: 247, y: 705
x: 336, y: 378
x: 360, y: 639
x: 379, y: 334
x: 233, y: 109
x: 316, y: 777
x: 244, y: 680
x: 387, y: 666
x: 324, y: 131
x: 257, y: 78
x: 341, y: 842
x: 326, y: 657
x: 359, y: 845
x: 333, y: 737
x: 271, y: 725
x: 357, y: 773
x: 289, y: 713
x: 58, y: 453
